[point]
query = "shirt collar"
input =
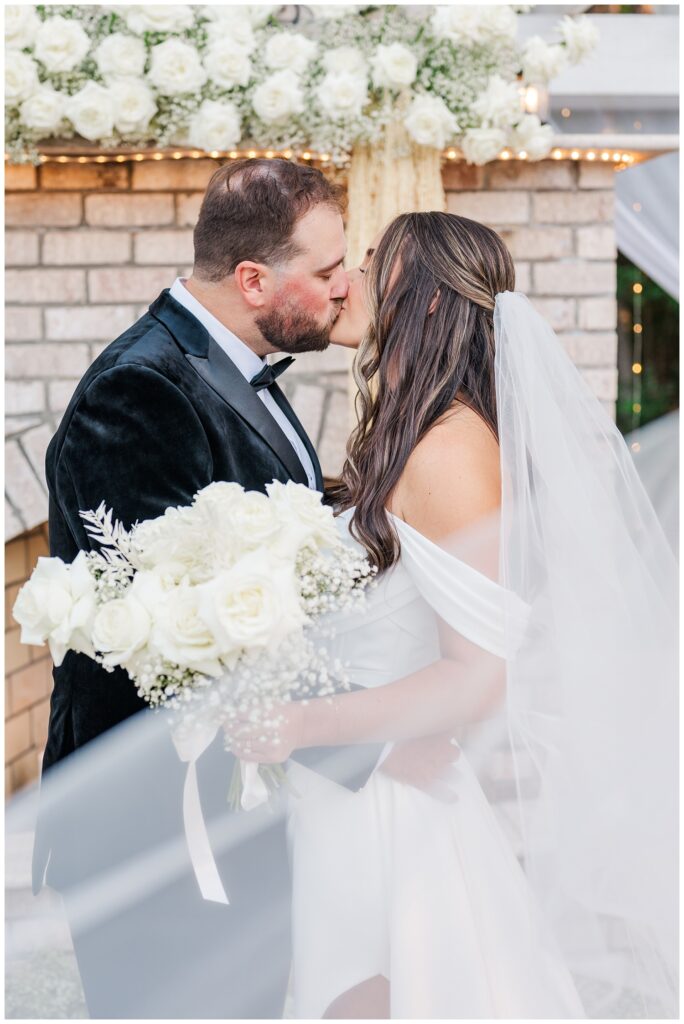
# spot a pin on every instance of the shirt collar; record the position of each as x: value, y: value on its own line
x: 247, y: 362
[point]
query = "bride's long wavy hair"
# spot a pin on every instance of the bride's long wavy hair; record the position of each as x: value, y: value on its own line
x: 430, y: 288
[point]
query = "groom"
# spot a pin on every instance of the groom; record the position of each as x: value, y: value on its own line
x: 182, y: 399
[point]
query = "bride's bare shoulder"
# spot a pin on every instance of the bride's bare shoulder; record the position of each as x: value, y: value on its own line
x: 452, y: 477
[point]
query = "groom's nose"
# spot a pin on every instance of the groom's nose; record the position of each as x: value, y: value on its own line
x: 339, y: 284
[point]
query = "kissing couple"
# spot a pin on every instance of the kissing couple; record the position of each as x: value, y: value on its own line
x: 468, y: 852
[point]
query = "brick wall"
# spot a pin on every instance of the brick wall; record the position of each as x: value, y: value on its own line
x: 89, y: 247
x: 28, y: 672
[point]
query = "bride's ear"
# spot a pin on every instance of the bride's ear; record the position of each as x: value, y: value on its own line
x: 433, y: 304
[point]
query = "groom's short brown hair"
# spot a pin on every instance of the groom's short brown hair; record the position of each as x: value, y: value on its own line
x: 250, y: 211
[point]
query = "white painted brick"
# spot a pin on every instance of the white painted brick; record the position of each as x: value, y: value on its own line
x: 21, y: 248
x: 597, y: 314
x: 539, y: 243
x: 59, y: 394
x: 492, y: 208
x: 23, y: 489
x: 546, y: 174
x: 42, y: 210
x: 572, y: 207
x: 523, y: 277
x: 24, y: 397
x: 603, y: 383
x: 35, y: 443
x: 308, y: 401
x: 37, y: 285
x: 88, y: 323
x: 188, y: 208
x: 168, y: 175
x: 117, y: 211
x: 591, y: 349
x: 131, y: 284
x: 597, y: 243
x: 574, y: 278
x: 23, y: 323
x: 164, y: 247
x: 39, y: 360
x: 561, y: 313
x: 15, y: 425
x: 86, y: 247
x: 596, y: 175
x: 335, y: 435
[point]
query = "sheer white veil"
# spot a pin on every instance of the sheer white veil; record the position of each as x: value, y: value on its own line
x: 586, y: 734
x: 592, y: 694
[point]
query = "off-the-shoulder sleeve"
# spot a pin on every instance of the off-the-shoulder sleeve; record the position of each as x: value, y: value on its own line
x: 478, y: 608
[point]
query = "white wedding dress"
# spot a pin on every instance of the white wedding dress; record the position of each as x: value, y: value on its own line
x: 392, y: 881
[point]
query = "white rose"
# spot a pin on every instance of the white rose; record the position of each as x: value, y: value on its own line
x: 182, y: 636
x: 176, y: 68
x: 180, y: 538
x: 479, y: 145
x: 61, y: 44
x: 580, y: 37
x: 345, y: 59
x: 533, y: 137
x: 57, y: 604
x: 499, y: 103
x: 541, y: 62
x: 497, y: 22
x: 459, y: 23
x: 289, y: 51
x: 158, y: 18
x: 43, y: 111
x: 343, y: 94
x: 134, y: 104
x: 253, y: 519
x: 429, y: 122
x: 91, y: 111
x: 394, y: 66
x: 121, y: 629
x: 220, y: 496
x: 119, y: 55
x: 228, y: 65
x: 237, y: 32
x: 21, y: 77
x: 324, y: 12
x: 302, y: 516
x: 255, y: 15
x: 254, y: 604
x: 468, y: 25
x: 21, y: 26
x: 215, y: 126
x: 279, y: 96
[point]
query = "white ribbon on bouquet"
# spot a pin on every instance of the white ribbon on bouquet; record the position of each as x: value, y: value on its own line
x: 254, y: 793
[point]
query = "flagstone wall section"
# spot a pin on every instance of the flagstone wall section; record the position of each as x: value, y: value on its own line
x: 88, y: 247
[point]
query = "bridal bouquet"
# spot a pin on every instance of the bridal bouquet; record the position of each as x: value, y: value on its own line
x: 208, y: 607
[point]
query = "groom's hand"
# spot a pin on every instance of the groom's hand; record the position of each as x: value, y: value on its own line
x: 424, y: 763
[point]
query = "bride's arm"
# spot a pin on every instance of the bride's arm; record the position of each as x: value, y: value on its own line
x: 451, y: 483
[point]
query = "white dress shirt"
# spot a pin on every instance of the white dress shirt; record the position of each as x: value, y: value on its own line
x: 249, y: 364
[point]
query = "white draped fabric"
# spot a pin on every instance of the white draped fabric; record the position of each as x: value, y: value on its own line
x: 647, y: 218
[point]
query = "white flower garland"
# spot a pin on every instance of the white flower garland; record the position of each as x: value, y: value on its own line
x: 219, y: 77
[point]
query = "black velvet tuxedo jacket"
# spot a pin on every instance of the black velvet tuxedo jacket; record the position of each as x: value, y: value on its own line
x: 160, y: 414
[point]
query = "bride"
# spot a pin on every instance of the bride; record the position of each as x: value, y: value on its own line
x: 525, y: 608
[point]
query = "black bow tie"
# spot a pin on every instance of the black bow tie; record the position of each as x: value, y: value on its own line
x: 270, y: 373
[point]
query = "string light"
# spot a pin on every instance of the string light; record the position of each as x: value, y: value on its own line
x: 638, y: 328
x: 637, y: 367
x: 637, y: 208
x: 620, y: 160
x: 635, y: 446
x: 566, y: 112
x: 637, y: 288
x: 637, y: 352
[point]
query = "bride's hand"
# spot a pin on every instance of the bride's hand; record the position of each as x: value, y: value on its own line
x: 253, y: 741
x: 423, y: 763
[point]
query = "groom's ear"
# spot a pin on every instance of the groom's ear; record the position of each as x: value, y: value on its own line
x: 433, y: 304
x: 252, y: 280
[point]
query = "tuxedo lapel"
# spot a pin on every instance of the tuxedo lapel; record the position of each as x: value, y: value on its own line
x: 282, y: 401
x: 223, y: 376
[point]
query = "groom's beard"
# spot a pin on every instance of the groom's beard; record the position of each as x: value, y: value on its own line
x: 291, y: 329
